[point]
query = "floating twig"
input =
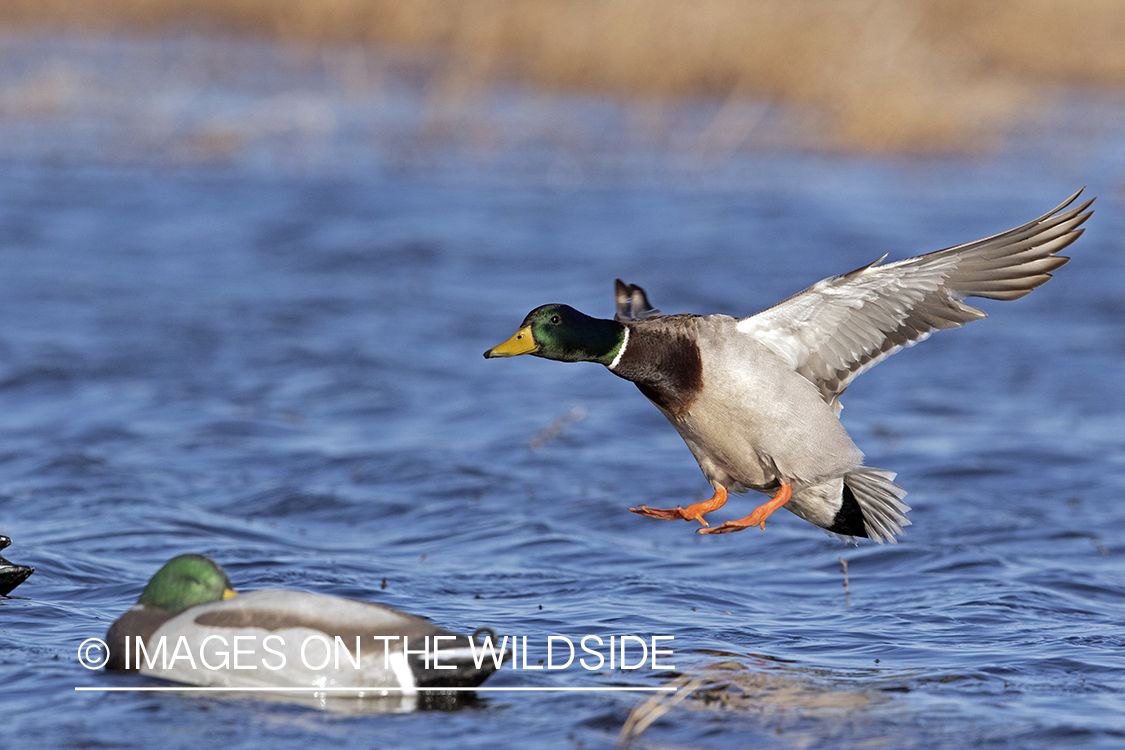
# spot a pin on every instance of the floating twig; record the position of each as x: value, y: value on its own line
x: 552, y: 431
x: 642, y: 717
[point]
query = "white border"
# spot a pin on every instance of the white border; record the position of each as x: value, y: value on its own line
x: 380, y: 689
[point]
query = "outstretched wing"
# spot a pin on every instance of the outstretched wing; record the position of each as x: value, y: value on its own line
x: 842, y: 326
x: 632, y: 304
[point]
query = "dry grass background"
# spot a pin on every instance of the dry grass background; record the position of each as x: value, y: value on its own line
x: 873, y: 74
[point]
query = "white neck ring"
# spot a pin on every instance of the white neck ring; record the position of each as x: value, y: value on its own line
x: 621, y: 351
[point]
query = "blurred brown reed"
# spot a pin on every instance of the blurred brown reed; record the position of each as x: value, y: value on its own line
x: 876, y: 74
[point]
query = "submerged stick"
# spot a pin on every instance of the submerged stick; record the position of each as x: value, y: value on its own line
x: 641, y: 717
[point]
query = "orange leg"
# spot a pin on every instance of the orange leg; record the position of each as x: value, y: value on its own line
x: 758, y: 517
x: 694, y: 511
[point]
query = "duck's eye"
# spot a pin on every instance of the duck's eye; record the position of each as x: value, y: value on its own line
x: 556, y: 319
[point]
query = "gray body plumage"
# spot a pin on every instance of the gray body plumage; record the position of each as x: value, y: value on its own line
x: 755, y: 423
x: 765, y: 410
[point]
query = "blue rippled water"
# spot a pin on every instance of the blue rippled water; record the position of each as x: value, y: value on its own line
x: 284, y: 372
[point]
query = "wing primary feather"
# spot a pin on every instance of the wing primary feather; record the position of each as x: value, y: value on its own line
x: 632, y: 303
x: 842, y: 326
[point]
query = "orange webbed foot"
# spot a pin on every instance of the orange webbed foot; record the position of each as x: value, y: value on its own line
x: 693, y: 512
x: 758, y: 517
x: 664, y: 514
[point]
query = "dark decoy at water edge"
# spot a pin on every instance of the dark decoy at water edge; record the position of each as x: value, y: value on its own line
x: 188, y: 617
x: 757, y: 399
x: 11, y: 575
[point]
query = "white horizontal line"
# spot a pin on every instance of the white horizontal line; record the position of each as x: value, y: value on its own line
x: 196, y: 689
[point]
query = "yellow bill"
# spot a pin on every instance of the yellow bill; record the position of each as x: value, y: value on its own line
x: 522, y: 343
x: 229, y: 593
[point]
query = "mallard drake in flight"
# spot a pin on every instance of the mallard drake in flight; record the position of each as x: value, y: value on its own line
x: 190, y: 606
x: 757, y: 399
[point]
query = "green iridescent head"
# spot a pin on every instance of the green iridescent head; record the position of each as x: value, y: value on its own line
x: 562, y: 333
x: 185, y: 581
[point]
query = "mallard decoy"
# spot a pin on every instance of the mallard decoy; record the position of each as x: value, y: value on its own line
x: 285, y: 635
x: 11, y: 575
x: 757, y: 399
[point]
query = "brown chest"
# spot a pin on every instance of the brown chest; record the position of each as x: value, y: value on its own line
x: 666, y: 367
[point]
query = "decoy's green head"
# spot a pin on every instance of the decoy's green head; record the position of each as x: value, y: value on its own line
x: 562, y: 333
x: 185, y: 581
